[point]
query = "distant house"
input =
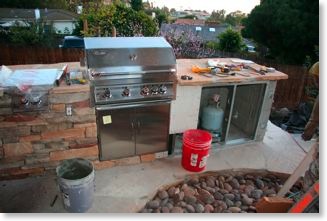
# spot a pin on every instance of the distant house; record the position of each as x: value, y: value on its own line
x: 202, y: 15
x: 201, y: 30
x: 187, y: 21
x: 62, y: 21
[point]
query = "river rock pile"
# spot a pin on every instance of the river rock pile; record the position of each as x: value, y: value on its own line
x: 214, y: 194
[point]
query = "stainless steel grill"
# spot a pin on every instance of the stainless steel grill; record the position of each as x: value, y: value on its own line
x: 132, y: 83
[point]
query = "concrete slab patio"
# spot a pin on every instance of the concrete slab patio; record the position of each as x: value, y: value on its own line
x: 125, y: 189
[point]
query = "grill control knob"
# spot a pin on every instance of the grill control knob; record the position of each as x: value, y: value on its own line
x: 154, y: 90
x: 126, y: 92
x: 107, y: 93
x: 162, y: 89
x: 145, y: 91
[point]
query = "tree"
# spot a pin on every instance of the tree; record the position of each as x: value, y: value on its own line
x: 230, y: 41
x: 38, y: 34
x: 161, y: 15
x: 102, y: 18
x: 235, y: 18
x: 137, y: 5
x: 289, y: 28
x: 217, y: 16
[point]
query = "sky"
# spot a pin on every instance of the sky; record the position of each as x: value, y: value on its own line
x: 208, y: 5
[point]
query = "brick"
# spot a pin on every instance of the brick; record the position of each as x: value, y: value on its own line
x: 5, y: 111
x: 5, y: 101
x: 83, y: 142
x: 52, y: 127
x: 4, y: 124
x: 80, y: 104
x: 73, y: 119
x: 29, y: 138
x: 99, y: 165
x: 83, y: 111
x: 57, y: 145
x: 18, y: 118
x: 15, y: 131
x: 38, y: 147
x: 148, y: 157
x: 1, y: 153
x: 37, y: 159
x: 91, y: 132
x: 127, y: 161
x: 274, y: 204
x: 17, y: 149
x: 23, y: 131
x: 13, y: 163
x: 85, y: 125
x: 9, y: 171
x: 43, y: 148
x: 32, y: 171
x: 69, y: 133
x: 35, y: 122
x: 46, y: 165
x: 22, y: 120
x: 67, y: 99
x: 70, y: 89
x: 73, y: 153
x: 58, y: 107
x: 38, y: 129
x: 9, y: 139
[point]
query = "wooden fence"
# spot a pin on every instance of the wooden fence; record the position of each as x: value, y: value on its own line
x: 31, y: 55
x: 288, y: 92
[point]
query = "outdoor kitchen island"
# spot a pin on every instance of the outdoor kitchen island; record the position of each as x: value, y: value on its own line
x: 34, y: 142
x: 245, y: 100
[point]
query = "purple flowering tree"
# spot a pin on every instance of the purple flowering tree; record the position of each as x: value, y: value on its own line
x: 186, y: 44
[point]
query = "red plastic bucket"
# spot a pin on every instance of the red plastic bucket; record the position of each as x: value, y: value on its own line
x: 196, y: 146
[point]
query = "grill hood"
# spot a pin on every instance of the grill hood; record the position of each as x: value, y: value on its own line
x: 129, y: 55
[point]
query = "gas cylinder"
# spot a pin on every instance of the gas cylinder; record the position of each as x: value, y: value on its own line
x: 212, y: 115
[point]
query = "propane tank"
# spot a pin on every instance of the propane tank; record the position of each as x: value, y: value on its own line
x: 212, y: 115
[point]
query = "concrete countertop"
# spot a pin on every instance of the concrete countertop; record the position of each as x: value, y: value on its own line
x: 63, y: 88
x: 184, y: 67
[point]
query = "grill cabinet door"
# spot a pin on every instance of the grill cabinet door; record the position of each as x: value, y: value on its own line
x: 116, y: 133
x: 152, y: 128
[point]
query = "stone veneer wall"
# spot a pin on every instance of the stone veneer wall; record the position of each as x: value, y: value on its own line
x: 33, y: 143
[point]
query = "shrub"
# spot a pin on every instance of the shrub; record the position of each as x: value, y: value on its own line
x: 230, y: 41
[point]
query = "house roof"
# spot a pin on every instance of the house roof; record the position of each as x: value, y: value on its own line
x: 204, y: 34
x: 29, y: 14
x: 186, y: 21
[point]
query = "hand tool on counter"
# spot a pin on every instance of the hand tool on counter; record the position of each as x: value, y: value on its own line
x: 186, y: 77
x: 261, y: 71
x: 197, y: 69
x: 68, y: 81
x: 243, y: 74
x: 61, y: 74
